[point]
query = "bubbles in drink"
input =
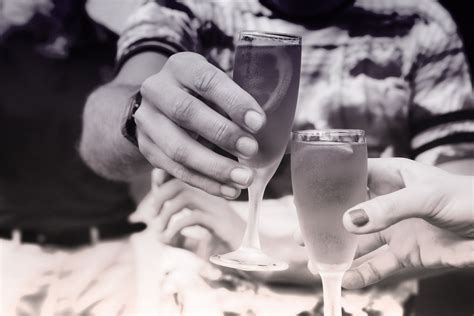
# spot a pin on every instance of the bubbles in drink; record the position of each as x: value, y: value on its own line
x: 328, y: 178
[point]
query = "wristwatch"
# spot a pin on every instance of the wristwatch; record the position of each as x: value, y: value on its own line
x: 129, y: 127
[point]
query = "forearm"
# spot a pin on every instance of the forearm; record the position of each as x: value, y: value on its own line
x: 102, y: 145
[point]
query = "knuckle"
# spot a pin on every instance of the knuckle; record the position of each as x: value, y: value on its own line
x: 232, y: 101
x: 204, y: 184
x: 166, y: 213
x: 181, y: 173
x: 174, y: 207
x: 146, y: 87
x: 150, y: 88
x: 215, y: 170
x: 437, y: 199
x: 140, y: 118
x: 210, y: 188
x: 381, y: 206
x: 180, y: 185
x: 374, y: 274
x: 175, y: 60
x: 179, y: 154
x: 220, y: 130
x: 183, y: 110
x: 405, y: 257
x: 360, y: 280
x: 206, y: 79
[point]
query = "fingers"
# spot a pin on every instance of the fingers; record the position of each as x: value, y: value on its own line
x: 178, y: 102
x: 384, y: 211
x: 185, y: 158
x: 167, y: 192
x: 187, y: 220
x: 193, y: 72
x: 194, y: 115
x: 176, y: 205
x: 158, y: 159
x: 378, y: 268
x: 368, y: 243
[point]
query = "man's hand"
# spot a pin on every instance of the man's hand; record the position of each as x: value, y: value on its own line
x: 423, y: 218
x: 190, y: 97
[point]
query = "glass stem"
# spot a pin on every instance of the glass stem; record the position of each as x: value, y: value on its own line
x: 332, y: 282
x: 251, y: 237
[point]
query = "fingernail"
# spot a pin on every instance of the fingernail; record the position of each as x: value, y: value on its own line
x: 241, y: 176
x: 254, y: 120
x: 247, y: 146
x: 359, y: 217
x: 229, y: 191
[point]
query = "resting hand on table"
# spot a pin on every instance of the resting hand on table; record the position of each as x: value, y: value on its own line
x: 190, y: 97
x: 205, y: 210
x: 424, y: 215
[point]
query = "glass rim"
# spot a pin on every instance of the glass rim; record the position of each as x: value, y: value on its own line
x: 284, y: 37
x: 303, y: 135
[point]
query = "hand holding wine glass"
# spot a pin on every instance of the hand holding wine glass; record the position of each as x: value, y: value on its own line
x: 190, y: 97
x: 423, y: 216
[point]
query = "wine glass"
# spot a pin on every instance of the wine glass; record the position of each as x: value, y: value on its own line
x: 267, y: 66
x: 329, y: 176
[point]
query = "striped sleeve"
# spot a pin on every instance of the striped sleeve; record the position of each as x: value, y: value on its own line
x: 442, y: 108
x: 154, y: 27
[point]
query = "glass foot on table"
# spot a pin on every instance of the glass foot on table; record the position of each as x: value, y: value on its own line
x: 249, y: 259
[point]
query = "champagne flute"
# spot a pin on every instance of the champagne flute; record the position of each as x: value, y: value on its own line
x: 267, y: 66
x: 329, y: 176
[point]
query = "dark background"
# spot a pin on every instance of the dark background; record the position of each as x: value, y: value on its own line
x: 462, y: 12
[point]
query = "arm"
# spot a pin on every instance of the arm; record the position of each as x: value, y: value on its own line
x: 102, y: 145
x: 442, y: 109
x: 185, y: 99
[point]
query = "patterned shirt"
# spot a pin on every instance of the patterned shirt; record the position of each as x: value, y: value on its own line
x: 394, y: 68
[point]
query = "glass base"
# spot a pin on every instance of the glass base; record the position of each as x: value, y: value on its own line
x: 249, y: 259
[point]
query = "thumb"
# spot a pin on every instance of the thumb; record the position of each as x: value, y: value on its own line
x: 384, y: 211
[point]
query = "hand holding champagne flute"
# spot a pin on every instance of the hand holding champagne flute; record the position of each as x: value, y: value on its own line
x: 329, y: 176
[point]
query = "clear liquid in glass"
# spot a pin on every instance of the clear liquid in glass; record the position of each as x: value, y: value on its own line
x: 329, y: 176
x: 267, y: 66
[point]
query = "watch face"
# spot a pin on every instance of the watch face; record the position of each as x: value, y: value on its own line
x: 129, y: 127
